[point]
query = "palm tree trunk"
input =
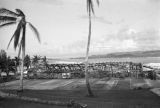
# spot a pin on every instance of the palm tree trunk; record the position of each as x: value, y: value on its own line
x: 21, y: 78
x: 90, y: 93
x: 23, y: 55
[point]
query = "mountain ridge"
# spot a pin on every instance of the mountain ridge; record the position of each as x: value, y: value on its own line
x: 132, y: 54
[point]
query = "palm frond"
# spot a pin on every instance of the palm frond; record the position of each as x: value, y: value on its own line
x: 16, y: 36
x: 23, y: 40
x: 20, y: 12
x: 98, y: 2
x: 10, y: 41
x: 7, y: 24
x: 90, y: 6
x: 4, y: 11
x: 35, y: 31
x: 7, y: 18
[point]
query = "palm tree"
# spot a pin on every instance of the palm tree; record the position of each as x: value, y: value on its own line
x: 90, y: 10
x: 27, y: 61
x: 7, y: 18
x: 45, y: 62
x: 35, y: 60
x: 35, y: 63
x: 17, y: 63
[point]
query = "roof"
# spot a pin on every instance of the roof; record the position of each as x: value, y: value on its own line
x: 147, y: 69
x: 153, y: 65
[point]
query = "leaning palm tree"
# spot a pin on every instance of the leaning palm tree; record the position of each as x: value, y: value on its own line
x: 90, y: 10
x: 7, y: 18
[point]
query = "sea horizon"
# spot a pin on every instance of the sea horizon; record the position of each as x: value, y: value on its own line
x: 143, y: 60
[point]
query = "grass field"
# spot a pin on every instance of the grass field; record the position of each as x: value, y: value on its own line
x: 109, y: 93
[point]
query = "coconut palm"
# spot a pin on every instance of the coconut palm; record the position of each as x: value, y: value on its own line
x: 36, y: 59
x: 17, y: 60
x: 7, y: 18
x: 90, y: 10
x: 44, y: 59
x: 17, y: 63
x: 27, y: 61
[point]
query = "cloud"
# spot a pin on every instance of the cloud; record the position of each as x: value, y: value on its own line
x: 98, y: 19
x: 148, y: 40
x: 120, y: 22
x: 127, y: 39
x: 77, y: 46
x: 136, y: 40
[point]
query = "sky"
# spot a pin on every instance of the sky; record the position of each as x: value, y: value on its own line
x: 117, y: 26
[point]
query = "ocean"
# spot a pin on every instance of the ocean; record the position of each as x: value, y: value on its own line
x: 143, y: 60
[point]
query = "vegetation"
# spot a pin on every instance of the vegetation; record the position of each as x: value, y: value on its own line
x: 27, y: 61
x: 44, y: 60
x: 7, y: 64
x: 17, y: 62
x: 7, y: 18
x: 3, y: 60
x: 35, y: 61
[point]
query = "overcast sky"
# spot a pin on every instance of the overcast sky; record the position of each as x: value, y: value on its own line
x: 118, y: 25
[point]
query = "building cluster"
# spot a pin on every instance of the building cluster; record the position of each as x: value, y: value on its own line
x: 95, y: 69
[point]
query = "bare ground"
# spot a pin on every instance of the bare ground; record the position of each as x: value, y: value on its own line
x: 109, y: 93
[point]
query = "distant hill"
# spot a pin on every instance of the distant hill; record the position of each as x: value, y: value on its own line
x: 155, y: 53
x: 133, y: 54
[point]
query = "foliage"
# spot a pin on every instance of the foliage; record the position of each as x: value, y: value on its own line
x: 45, y: 63
x: 27, y: 61
x: 17, y: 61
x: 36, y: 59
x: 10, y: 64
x: 90, y: 6
x: 44, y: 60
x: 3, y: 60
x: 7, y: 65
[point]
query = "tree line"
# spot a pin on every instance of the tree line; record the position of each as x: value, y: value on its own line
x: 8, y: 64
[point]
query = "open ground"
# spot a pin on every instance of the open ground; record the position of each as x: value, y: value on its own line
x: 109, y: 93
